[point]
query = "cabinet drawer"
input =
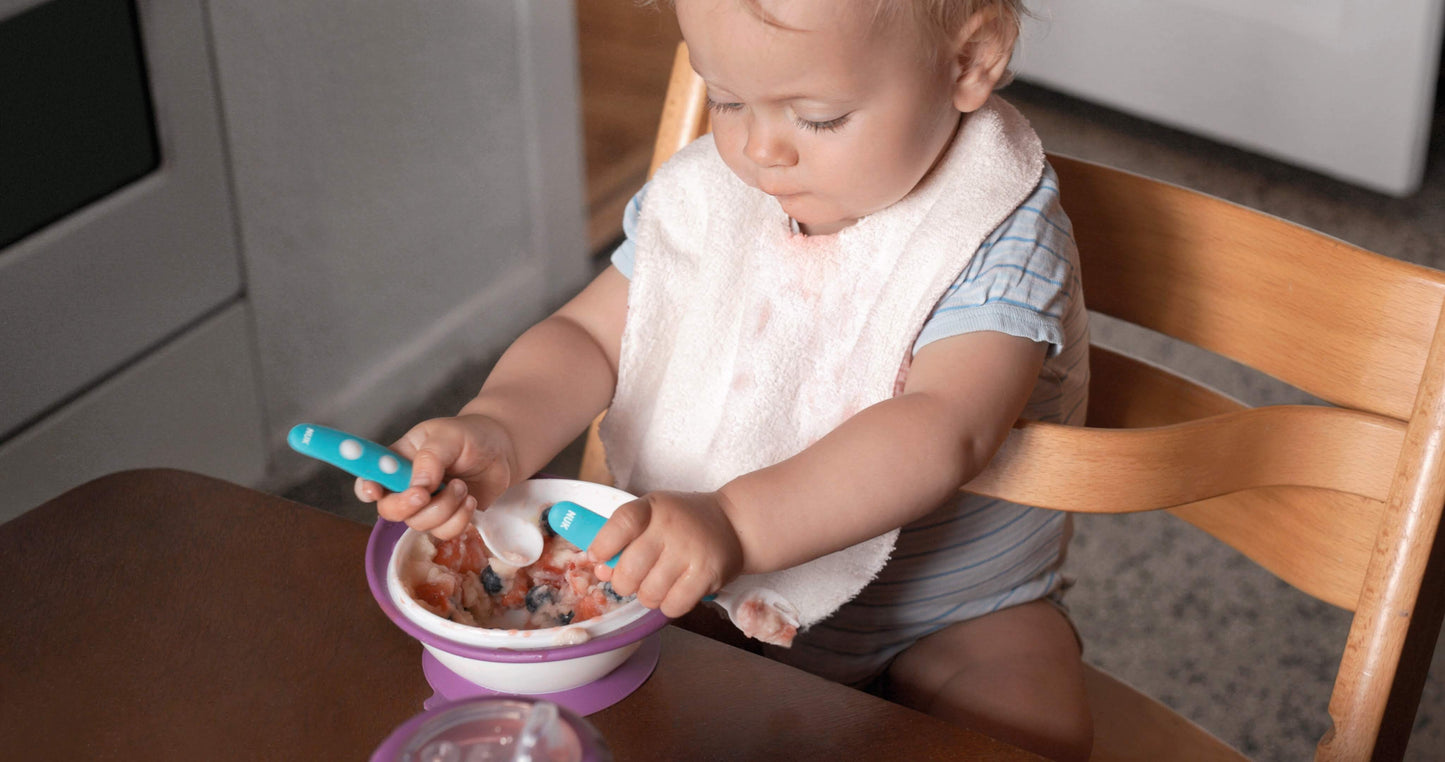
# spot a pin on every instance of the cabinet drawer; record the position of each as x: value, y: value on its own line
x: 192, y: 404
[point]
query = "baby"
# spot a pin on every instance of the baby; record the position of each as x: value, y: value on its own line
x: 825, y: 319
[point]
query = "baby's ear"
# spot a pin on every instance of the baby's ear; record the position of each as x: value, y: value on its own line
x: 980, y: 51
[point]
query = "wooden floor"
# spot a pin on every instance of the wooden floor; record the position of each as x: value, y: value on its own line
x: 626, y: 52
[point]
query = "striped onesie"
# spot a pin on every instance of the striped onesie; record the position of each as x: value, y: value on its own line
x: 973, y: 555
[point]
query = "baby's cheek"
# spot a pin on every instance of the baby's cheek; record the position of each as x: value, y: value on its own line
x: 729, y: 144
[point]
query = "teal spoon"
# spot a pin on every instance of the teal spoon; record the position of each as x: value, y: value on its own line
x: 510, y: 533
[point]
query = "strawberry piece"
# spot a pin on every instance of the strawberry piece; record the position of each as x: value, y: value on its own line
x: 435, y: 596
x: 587, y: 608
x: 463, y: 553
x: 514, y: 598
x: 579, y: 581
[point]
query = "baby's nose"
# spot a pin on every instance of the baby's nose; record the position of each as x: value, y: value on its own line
x: 768, y: 147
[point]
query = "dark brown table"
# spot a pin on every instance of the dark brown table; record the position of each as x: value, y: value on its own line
x: 161, y: 614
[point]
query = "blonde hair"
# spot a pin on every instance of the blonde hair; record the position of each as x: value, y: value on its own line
x: 939, y: 16
x: 939, y: 20
x: 945, y: 17
x: 936, y: 20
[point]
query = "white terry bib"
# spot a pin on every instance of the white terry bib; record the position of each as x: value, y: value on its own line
x: 745, y: 342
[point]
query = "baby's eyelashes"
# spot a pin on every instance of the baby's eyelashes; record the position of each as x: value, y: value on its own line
x: 815, y: 125
x: 827, y: 125
x: 721, y: 107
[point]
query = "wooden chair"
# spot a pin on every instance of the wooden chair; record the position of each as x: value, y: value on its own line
x: 1340, y: 500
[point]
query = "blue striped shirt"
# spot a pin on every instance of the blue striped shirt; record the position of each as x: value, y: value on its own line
x: 973, y: 555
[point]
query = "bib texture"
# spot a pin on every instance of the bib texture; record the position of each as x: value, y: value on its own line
x: 746, y: 342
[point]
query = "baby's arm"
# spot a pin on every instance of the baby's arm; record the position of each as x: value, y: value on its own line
x: 882, y: 468
x: 549, y: 384
x: 893, y: 462
x: 555, y: 378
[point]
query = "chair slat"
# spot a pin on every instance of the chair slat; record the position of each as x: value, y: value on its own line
x: 684, y: 117
x: 1092, y: 470
x: 594, y: 456
x: 1317, y: 540
x: 1339, y: 322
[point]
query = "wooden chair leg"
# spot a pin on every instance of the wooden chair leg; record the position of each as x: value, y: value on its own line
x: 1129, y: 726
x: 1415, y: 658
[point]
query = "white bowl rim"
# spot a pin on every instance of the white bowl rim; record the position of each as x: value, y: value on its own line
x: 596, y: 497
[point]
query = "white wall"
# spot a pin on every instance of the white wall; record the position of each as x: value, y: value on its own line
x: 1343, y: 87
x: 404, y: 206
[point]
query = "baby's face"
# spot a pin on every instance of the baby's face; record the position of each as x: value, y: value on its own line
x: 836, y: 116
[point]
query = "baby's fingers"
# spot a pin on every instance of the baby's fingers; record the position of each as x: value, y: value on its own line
x: 442, y: 507
x: 458, y: 522
x: 657, y: 586
x: 401, y: 506
x: 686, y: 592
x: 431, y: 454
x: 368, y: 491
x: 625, y: 525
x: 637, y: 564
x: 429, y: 468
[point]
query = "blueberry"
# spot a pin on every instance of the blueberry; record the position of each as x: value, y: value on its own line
x: 609, y: 592
x: 491, y: 582
x: 565, y: 618
x: 546, y: 527
x: 539, y: 595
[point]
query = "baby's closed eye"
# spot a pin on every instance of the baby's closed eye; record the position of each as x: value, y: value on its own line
x: 722, y: 106
x: 825, y: 125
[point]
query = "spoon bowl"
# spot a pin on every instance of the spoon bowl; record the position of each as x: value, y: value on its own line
x: 513, y: 533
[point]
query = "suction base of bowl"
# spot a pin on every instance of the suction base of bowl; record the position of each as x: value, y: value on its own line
x: 584, y: 700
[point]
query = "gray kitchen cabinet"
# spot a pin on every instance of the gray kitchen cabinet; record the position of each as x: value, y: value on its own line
x: 352, y: 200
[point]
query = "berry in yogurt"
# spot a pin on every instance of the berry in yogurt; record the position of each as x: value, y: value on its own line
x: 460, y: 580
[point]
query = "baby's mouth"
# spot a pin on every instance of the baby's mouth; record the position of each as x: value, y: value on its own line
x: 778, y: 193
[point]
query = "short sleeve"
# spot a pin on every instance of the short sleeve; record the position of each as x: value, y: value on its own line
x: 1021, y: 279
x: 624, y: 257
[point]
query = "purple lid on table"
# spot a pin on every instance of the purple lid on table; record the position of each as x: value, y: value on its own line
x: 496, y: 728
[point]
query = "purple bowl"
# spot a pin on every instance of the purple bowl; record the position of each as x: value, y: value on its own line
x: 384, y: 537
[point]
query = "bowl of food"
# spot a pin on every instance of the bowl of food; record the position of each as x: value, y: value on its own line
x: 546, y: 627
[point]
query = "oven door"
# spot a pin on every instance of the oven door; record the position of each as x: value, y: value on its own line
x: 117, y: 229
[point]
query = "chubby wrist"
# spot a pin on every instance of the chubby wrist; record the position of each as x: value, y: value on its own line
x: 736, y: 506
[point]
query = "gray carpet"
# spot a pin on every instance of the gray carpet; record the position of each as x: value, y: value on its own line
x: 1159, y: 603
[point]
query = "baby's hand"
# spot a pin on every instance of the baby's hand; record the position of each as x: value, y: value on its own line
x: 679, y: 546
x: 473, y: 448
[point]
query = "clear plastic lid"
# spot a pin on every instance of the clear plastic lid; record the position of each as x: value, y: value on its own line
x: 512, y: 729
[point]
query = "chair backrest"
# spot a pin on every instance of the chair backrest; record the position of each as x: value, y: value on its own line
x: 1341, y: 500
